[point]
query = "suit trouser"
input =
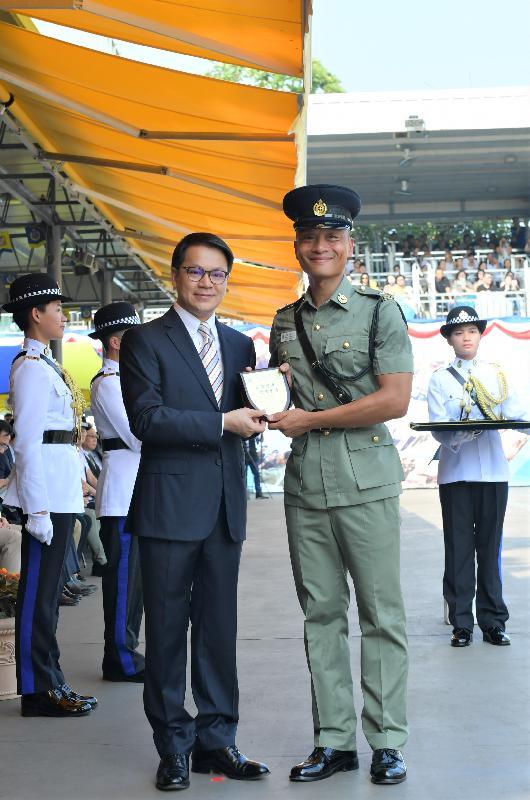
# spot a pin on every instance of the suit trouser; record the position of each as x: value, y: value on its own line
x: 37, y: 612
x: 473, y: 518
x: 121, y: 586
x: 325, y: 545
x: 191, y: 581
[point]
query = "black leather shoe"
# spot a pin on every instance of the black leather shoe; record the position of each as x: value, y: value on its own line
x: 496, y: 636
x: 98, y: 570
x: 173, y: 772
x: 388, y: 766
x: 78, y: 698
x: 323, y: 763
x: 138, y: 677
x: 68, y: 600
x: 76, y: 588
x: 52, y: 703
x: 227, y: 761
x: 461, y: 637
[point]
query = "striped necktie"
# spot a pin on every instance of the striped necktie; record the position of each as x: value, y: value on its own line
x: 211, y: 361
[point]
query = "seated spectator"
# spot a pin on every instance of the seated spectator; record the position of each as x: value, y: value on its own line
x: 506, y: 264
x: 367, y: 281
x: 469, y: 262
x: 90, y: 447
x: 442, y: 286
x: 390, y: 285
x: 488, y: 284
x: 479, y: 279
x: 461, y: 283
x: 448, y: 258
x: 8, y: 416
x: 503, y: 249
x: 506, y: 284
x: 492, y: 262
x: 10, y: 544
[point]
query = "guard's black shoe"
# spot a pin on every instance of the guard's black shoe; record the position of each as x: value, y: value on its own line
x: 496, y: 636
x: 227, y: 761
x: 461, y: 637
x: 78, y: 698
x: 52, y: 703
x: 173, y: 772
x: 323, y: 763
x: 261, y: 497
x: 136, y: 677
x: 388, y: 766
x: 98, y: 570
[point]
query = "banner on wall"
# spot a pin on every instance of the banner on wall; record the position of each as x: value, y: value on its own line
x: 505, y: 343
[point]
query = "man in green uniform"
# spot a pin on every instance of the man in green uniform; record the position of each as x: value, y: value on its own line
x: 348, y: 358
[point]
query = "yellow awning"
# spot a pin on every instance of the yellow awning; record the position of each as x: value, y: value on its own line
x: 162, y: 153
x: 265, y: 35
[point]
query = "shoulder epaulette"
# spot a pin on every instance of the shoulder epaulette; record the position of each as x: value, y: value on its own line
x: 287, y: 307
x: 31, y: 358
x: 368, y: 291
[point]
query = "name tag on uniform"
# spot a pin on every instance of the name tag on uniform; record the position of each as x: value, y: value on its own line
x: 288, y: 336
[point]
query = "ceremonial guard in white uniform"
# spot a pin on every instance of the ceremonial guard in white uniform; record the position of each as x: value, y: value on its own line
x: 45, y: 485
x: 473, y: 477
x: 121, y: 579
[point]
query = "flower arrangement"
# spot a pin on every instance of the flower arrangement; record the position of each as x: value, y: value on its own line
x: 8, y: 592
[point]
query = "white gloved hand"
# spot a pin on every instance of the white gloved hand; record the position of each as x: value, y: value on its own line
x: 40, y: 526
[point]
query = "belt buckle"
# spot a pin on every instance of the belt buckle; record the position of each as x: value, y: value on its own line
x: 325, y: 431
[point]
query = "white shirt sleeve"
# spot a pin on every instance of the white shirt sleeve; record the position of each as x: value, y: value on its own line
x: 31, y: 387
x: 110, y: 401
x: 436, y: 401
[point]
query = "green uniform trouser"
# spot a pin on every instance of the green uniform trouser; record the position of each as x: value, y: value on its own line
x: 364, y: 541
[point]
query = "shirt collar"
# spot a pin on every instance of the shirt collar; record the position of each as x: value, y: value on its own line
x: 464, y: 365
x: 110, y: 363
x: 340, y: 297
x: 192, y: 323
x: 36, y: 347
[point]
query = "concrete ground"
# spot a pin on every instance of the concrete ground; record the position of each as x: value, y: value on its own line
x: 468, y: 709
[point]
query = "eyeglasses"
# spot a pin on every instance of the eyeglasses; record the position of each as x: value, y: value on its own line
x: 217, y: 276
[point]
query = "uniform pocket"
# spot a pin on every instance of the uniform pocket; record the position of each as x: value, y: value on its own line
x: 346, y: 355
x: 293, y: 471
x: 374, y: 459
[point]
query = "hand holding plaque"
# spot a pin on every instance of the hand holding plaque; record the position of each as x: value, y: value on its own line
x: 267, y: 389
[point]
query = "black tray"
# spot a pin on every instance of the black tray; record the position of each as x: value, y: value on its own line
x: 471, y: 425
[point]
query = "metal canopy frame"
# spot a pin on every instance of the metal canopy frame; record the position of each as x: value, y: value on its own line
x: 35, y: 190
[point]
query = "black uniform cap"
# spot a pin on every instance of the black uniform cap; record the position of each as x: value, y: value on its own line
x: 322, y: 206
x: 28, y: 291
x: 114, y: 317
x: 462, y: 315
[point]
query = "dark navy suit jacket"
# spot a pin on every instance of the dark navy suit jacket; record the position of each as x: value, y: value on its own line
x: 186, y: 464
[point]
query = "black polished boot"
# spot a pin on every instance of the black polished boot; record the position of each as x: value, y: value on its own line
x: 323, y: 763
x: 461, y: 637
x: 227, y: 761
x: 388, y: 766
x: 496, y: 635
x: 173, y: 772
x: 52, y: 703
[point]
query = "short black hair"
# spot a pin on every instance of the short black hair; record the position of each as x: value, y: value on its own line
x: 205, y: 240
x: 5, y: 427
x: 22, y: 317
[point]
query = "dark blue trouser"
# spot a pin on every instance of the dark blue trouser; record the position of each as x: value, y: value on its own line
x: 37, y: 612
x: 121, y: 585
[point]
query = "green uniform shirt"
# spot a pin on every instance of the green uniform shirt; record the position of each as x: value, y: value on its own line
x: 341, y: 467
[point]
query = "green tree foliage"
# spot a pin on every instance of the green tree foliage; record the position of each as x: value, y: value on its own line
x: 323, y: 79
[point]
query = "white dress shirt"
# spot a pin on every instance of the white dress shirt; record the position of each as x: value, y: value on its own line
x: 45, y: 477
x: 118, y: 474
x: 191, y: 323
x: 465, y: 455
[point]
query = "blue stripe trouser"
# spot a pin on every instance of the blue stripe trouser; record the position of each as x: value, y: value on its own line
x: 37, y: 612
x: 122, y: 600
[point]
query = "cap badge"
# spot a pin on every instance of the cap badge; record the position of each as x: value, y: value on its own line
x: 320, y: 208
x: 342, y: 298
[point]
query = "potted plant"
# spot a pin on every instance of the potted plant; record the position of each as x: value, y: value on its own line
x: 8, y: 596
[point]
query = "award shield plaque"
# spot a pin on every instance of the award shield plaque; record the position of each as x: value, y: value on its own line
x: 266, y: 389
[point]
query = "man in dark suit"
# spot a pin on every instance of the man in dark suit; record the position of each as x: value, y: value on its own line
x: 179, y: 376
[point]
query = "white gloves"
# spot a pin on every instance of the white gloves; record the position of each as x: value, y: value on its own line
x: 40, y: 526
x: 458, y: 438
